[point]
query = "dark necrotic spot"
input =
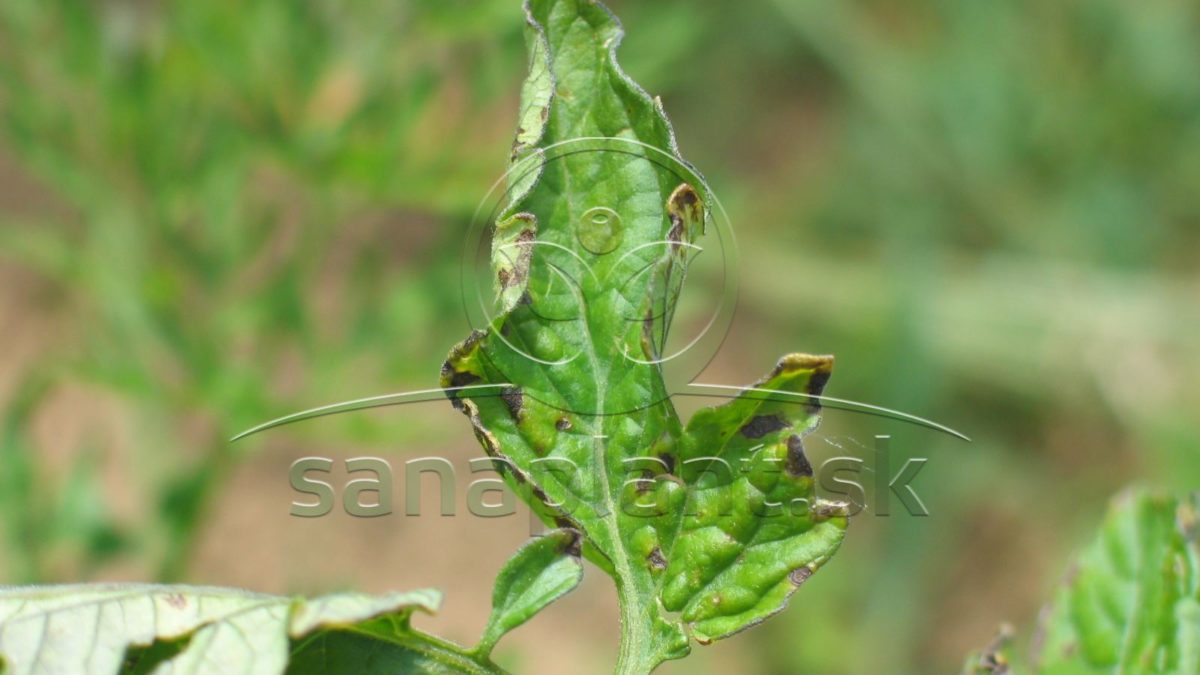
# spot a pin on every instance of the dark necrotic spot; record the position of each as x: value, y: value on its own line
x: 645, y: 483
x: 458, y: 378
x: 675, y: 235
x: 668, y: 461
x: 797, y: 462
x: 687, y: 197
x: 514, y: 399
x: 575, y: 544
x: 501, y: 465
x: 485, y: 439
x: 761, y: 425
x: 816, y: 385
x: 824, y: 510
x: 656, y: 559
x: 462, y: 378
x: 563, y: 424
x: 800, y: 575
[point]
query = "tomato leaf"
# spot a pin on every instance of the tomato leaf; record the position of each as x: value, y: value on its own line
x: 706, y: 529
x: 542, y: 571
x: 136, y: 628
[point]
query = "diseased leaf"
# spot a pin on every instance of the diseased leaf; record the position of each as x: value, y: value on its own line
x: 1131, y: 602
x: 382, y: 645
x: 742, y: 546
x: 589, y: 256
x: 541, y: 572
x: 179, y: 629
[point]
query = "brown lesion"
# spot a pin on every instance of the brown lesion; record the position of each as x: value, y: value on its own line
x: 574, y: 544
x: 518, y: 145
x: 800, y: 575
x: 656, y: 559
x: 518, y: 273
x: 668, y: 461
x: 816, y: 385
x: 761, y: 425
x: 509, y: 469
x: 797, y: 463
x: 455, y: 371
x: 514, y: 400
x: 512, y: 255
x: 683, y: 207
x: 675, y: 234
x: 823, y: 510
x: 460, y: 379
x: 819, y: 368
x: 645, y: 483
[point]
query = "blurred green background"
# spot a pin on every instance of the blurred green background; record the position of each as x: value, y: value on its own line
x: 213, y: 213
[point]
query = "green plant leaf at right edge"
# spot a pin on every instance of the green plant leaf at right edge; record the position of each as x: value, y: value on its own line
x: 140, y: 628
x: 1131, y: 602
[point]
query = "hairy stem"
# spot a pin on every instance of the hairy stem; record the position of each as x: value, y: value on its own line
x: 636, y: 655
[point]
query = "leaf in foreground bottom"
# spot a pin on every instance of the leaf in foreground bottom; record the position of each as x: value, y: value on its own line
x: 182, y: 629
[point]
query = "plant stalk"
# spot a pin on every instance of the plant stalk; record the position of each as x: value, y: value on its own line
x: 636, y: 655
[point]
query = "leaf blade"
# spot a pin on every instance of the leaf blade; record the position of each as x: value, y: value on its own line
x: 541, y: 571
x: 97, y: 628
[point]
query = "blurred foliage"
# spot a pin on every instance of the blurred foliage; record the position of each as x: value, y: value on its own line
x: 217, y: 212
x: 244, y: 185
x: 1131, y: 602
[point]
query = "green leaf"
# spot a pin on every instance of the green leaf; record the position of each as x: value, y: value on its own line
x: 164, y: 629
x: 589, y: 256
x: 741, y: 548
x: 1131, y: 602
x: 541, y: 572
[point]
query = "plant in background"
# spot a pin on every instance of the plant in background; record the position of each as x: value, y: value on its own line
x: 190, y: 176
x: 1130, y: 602
x: 691, y: 548
x: 706, y: 528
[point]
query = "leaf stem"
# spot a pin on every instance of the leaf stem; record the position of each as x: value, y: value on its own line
x: 636, y: 656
